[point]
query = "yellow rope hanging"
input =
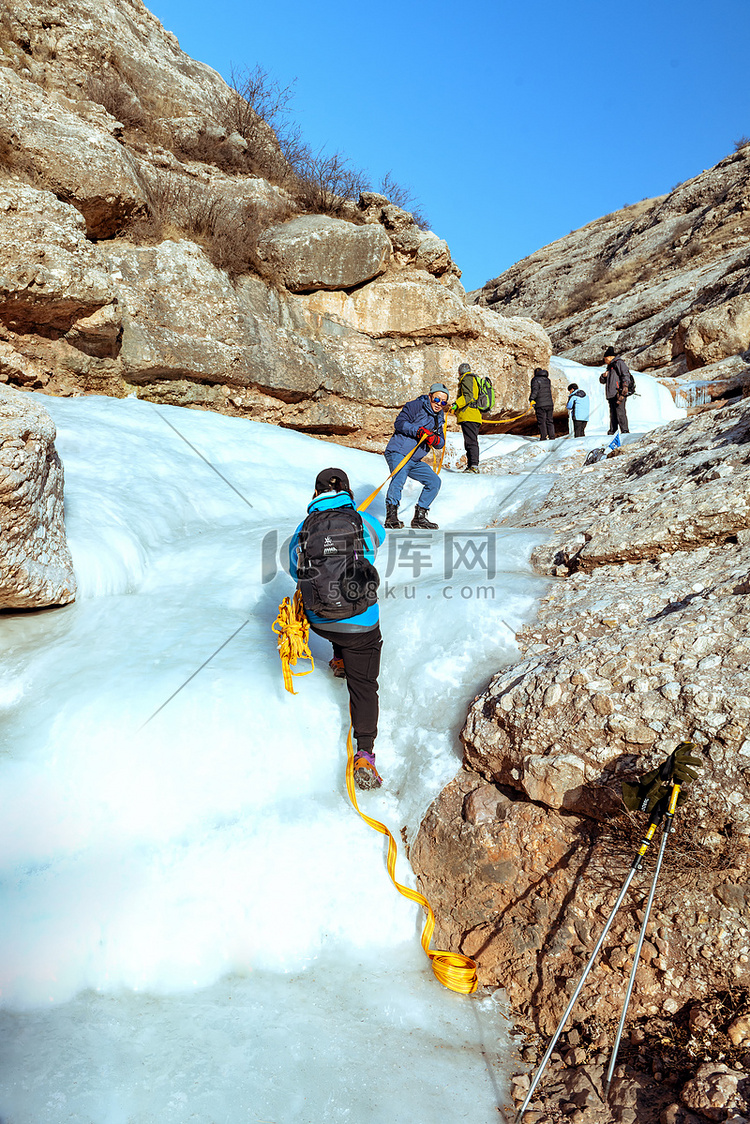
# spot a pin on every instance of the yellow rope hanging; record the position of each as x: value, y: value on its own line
x: 366, y: 503
x: 505, y: 421
x: 452, y: 969
x: 293, y: 633
x: 437, y: 460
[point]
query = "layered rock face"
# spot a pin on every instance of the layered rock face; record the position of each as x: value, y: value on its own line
x: 142, y: 253
x: 665, y: 281
x: 36, y: 569
x: 642, y: 642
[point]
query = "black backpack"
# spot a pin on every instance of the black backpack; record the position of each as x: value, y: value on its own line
x: 631, y: 382
x: 335, y: 578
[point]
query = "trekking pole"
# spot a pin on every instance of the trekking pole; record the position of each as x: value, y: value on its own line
x: 656, y: 816
x: 668, y: 828
x: 366, y: 503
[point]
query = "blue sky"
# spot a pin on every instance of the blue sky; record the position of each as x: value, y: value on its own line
x: 512, y: 123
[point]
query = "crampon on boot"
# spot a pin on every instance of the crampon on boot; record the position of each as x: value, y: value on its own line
x: 420, y: 520
x: 365, y: 774
x: 392, y: 521
x: 337, y: 667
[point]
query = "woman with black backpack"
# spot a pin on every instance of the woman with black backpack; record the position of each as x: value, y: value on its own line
x: 331, y: 557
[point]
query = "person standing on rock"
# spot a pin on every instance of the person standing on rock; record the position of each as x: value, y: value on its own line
x: 331, y: 558
x: 541, y: 400
x: 468, y: 416
x: 616, y: 381
x: 421, y: 418
x: 578, y: 408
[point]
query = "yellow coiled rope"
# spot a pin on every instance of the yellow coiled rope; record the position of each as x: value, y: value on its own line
x: 453, y: 970
x: 293, y: 633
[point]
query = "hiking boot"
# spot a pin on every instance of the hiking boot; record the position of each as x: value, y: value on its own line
x: 392, y: 521
x: 337, y: 667
x: 366, y: 775
x: 420, y: 520
x: 472, y: 468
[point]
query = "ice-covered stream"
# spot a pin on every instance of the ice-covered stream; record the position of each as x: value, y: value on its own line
x: 196, y: 925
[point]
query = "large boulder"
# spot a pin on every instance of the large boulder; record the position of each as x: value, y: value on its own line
x: 36, y: 569
x: 410, y: 304
x: 319, y: 252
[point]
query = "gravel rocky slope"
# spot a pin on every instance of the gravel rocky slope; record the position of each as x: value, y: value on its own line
x: 642, y: 641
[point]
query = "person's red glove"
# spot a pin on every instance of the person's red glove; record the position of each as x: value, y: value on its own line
x: 429, y: 435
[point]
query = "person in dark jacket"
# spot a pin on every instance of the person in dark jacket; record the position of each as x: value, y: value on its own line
x: 468, y: 416
x: 356, y: 639
x: 541, y: 400
x: 578, y: 408
x: 424, y: 416
x: 616, y: 381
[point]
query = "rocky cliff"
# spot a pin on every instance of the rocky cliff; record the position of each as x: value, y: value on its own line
x: 155, y: 240
x: 641, y: 642
x: 665, y: 281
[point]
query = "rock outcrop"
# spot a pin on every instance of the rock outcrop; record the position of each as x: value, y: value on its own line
x: 148, y: 247
x: 320, y: 252
x: 666, y: 281
x: 36, y: 569
x: 642, y: 642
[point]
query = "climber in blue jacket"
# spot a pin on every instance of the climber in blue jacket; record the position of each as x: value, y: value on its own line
x: 424, y: 417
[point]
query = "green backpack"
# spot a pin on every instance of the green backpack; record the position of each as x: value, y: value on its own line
x: 485, y: 399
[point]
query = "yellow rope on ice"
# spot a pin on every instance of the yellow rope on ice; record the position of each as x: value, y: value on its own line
x: 452, y: 969
x: 293, y: 633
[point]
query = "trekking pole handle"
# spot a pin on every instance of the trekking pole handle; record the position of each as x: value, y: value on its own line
x: 672, y: 806
x: 646, y: 842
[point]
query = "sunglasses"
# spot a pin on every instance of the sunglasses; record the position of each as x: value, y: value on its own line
x: 436, y: 398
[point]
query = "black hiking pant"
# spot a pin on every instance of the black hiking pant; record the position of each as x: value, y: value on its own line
x: 360, y: 652
x: 470, y: 430
x: 545, y: 423
x: 618, y: 417
x: 579, y: 427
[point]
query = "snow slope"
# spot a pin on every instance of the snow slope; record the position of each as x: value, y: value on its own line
x: 197, y: 926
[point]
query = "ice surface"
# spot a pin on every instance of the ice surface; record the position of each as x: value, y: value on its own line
x: 651, y: 406
x: 197, y: 926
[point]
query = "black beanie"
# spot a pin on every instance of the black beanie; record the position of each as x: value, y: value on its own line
x: 332, y: 480
x: 609, y: 351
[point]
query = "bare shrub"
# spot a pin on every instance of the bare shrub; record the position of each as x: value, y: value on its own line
x: 212, y: 150
x: 227, y: 233
x: 258, y: 109
x: 741, y: 142
x: 255, y: 95
x: 110, y: 91
x: 324, y: 183
x: 404, y: 198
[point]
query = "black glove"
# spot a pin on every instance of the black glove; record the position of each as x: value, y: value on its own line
x: 679, y: 768
x: 684, y: 766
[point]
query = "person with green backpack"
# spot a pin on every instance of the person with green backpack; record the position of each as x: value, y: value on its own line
x: 475, y: 397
